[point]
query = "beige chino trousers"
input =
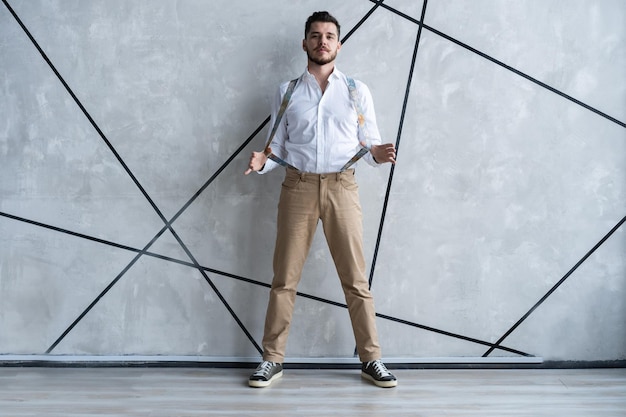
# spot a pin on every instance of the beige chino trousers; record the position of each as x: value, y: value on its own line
x: 304, y: 200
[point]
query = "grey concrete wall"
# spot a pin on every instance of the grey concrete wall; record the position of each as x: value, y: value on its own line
x: 511, y: 169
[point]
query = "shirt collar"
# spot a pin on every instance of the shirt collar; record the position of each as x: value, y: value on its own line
x: 335, y: 74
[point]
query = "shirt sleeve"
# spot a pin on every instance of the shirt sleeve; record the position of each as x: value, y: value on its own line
x: 278, y: 142
x: 371, y: 127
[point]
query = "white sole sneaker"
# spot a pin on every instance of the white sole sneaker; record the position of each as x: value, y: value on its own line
x: 262, y: 384
x: 382, y: 384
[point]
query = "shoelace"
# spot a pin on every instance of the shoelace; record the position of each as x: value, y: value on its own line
x: 264, y: 368
x: 380, y: 368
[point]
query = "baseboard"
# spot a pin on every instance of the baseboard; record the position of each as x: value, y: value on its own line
x: 529, y: 362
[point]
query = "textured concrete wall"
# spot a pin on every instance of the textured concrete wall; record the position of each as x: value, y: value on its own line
x: 511, y: 168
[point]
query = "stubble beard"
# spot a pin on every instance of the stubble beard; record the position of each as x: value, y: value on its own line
x: 322, y: 61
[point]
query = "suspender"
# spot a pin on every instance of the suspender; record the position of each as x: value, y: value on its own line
x: 365, y: 145
x: 281, y: 111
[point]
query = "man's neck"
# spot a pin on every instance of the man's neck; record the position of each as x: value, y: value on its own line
x: 321, y: 73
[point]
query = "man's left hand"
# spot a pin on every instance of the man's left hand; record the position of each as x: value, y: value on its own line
x: 384, y: 153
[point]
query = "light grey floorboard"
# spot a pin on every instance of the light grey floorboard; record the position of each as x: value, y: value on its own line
x: 224, y: 392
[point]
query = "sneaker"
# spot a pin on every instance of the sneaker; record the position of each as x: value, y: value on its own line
x: 265, y: 373
x: 377, y: 372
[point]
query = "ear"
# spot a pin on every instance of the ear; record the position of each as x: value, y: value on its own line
x: 304, y: 44
x: 338, y: 46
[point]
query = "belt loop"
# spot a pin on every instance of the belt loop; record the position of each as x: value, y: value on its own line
x: 302, y: 176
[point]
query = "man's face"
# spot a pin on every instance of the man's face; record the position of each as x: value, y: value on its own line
x: 322, y: 43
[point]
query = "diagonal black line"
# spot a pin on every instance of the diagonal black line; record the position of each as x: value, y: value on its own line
x: 526, y: 76
x: 508, y: 67
x: 139, y: 252
x: 139, y: 186
x: 457, y: 336
x: 398, y: 12
x: 219, y: 170
x: 382, y: 316
x: 217, y: 292
x: 186, y: 206
x: 120, y: 160
x: 552, y: 89
x: 111, y: 148
x: 233, y: 276
x: 179, y: 213
x: 145, y: 252
x: 363, y: 19
x: 392, y: 170
x: 168, y: 224
x: 102, y: 294
x: 557, y: 285
x: 66, y: 231
x: 83, y: 109
x: 256, y: 132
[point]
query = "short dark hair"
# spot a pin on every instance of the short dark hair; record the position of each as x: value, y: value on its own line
x: 320, y: 17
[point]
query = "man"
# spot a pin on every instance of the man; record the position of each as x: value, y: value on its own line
x: 318, y: 133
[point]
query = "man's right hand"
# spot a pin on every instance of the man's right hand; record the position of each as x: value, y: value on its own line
x: 257, y: 161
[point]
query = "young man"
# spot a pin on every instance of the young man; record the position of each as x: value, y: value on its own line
x: 317, y: 134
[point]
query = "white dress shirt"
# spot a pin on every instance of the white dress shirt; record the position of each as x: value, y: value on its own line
x: 319, y: 133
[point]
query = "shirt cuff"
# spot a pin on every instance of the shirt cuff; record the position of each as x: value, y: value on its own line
x: 269, y: 165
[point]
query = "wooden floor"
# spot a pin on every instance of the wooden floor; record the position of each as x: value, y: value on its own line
x: 326, y: 392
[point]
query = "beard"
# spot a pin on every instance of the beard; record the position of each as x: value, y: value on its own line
x: 321, y: 61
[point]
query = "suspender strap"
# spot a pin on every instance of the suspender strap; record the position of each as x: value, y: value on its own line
x: 366, y: 144
x: 282, y: 162
x: 354, y: 97
x: 355, y: 158
x: 281, y: 111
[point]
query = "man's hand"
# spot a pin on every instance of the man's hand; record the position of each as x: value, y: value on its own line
x: 384, y: 153
x: 257, y: 161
